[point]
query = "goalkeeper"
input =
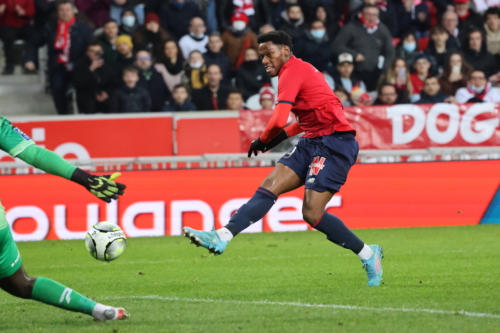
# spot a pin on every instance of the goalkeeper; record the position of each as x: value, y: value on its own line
x: 13, y: 277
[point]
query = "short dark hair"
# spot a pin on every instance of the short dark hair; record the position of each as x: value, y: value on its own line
x: 64, y: 2
x: 473, y: 31
x: 430, y: 77
x: 438, y: 29
x: 277, y: 37
x: 94, y: 42
x: 492, y: 11
x: 235, y: 91
x: 110, y: 21
x: 293, y: 5
x: 314, y: 21
x: 383, y: 85
x: 371, y: 6
x: 131, y: 70
x: 181, y: 85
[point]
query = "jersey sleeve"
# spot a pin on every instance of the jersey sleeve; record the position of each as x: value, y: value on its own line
x: 12, y: 139
x: 289, y: 85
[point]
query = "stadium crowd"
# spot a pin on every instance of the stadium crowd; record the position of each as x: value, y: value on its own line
x: 186, y: 55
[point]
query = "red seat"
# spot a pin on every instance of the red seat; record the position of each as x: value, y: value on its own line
x: 395, y: 41
x: 422, y: 43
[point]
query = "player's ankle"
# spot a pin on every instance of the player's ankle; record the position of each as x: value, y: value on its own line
x: 98, y: 311
x: 224, y: 234
x: 365, y: 253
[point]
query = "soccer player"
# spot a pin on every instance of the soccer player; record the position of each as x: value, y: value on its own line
x: 13, y: 277
x: 321, y: 159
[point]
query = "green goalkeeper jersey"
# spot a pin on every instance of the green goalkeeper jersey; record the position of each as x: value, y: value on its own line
x: 17, y: 144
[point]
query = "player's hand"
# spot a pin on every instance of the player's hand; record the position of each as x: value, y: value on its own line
x: 104, y: 187
x: 276, y: 141
x: 255, y: 147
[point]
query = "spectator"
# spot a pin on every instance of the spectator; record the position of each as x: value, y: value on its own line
x: 343, y: 96
x: 344, y: 77
x: 387, y: 12
x: 151, y: 36
x: 129, y: 23
x: 398, y: 76
x: 276, y: 7
x: 332, y: 27
x: 467, y: 18
x: 94, y: 81
x: 387, y: 95
x: 96, y: 11
x: 251, y: 75
x: 175, y: 16
x: 67, y: 39
x: 492, y: 28
x: 266, y: 28
x: 209, y: 14
x: 235, y: 101
x: 118, y: 6
x: 44, y: 11
x: 15, y: 19
x: 407, y: 48
x: 267, y: 97
x: 171, y: 64
x: 237, y: 39
x: 422, y: 67
x: 258, y: 12
x: 366, y: 40
x: 315, y: 47
x: 130, y: 97
x: 196, y: 71
x: 108, y: 41
x: 293, y: 22
x: 151, y: 80
x: 477, y: 90
x: 432, y: 94
x: 455, y: 75
x: 125, y: 48
x: 214, y: 55
x: 413, y: 16
x: 437, y: 47
x: 450, y: 23
x: 196, y: 39
x: 476, y: 54
x: 181, y: 100
x: 213, y: 96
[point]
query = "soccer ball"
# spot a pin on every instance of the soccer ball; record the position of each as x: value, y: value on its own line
x: 105, y: 241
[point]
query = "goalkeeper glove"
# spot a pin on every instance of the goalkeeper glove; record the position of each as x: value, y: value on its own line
x: 103, y: 187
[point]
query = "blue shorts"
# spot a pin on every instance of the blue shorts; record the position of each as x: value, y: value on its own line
x: 324, y: 162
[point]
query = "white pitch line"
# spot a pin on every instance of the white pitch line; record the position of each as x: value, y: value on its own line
x: 312, y: 305
x: 295, y: 304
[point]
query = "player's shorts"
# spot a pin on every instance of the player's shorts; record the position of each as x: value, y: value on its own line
x: 323, y: 162
x: 10, y: 259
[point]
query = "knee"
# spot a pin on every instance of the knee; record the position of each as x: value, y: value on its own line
x: 23, y: 288
x: 311, y: 215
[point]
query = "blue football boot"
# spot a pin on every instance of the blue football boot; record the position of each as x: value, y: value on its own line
x: 373, y: 266
x: 208, y: 239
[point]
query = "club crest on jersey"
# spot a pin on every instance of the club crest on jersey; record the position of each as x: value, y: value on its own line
x: 21, y: 133
x: 317, y: 165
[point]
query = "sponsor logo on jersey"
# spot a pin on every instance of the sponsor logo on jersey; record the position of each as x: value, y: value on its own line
x: 21, y: 133
x: 317, y: 165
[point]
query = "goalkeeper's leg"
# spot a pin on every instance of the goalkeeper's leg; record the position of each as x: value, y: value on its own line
x: 15, y: 281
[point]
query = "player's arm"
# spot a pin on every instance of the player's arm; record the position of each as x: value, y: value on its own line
x: 18, y: 144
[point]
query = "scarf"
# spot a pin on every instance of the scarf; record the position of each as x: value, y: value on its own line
x: 370, y: 28
x: 479, y: 94
x: 63, y: 40
x: 244, y: 6
x: 381, y: 4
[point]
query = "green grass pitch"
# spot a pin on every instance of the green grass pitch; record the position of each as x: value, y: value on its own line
x: 436, y: 280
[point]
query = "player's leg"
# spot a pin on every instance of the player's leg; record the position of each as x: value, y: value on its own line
x: 281, y: 180
x: 337, y: 232
x: 15, y: 281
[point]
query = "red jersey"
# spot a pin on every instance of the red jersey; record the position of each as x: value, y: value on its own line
x: 418, y: 85
x: 318, y: 110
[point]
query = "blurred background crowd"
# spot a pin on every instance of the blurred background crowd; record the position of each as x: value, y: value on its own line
x: 184, y: 55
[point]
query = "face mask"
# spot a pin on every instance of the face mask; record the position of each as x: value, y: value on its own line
x: 293, y: 20
x: 200, y: 36
x: 409, y: 47
x: 239, y: 25
x: 195, y: 65
x: 476, y: 89
x: 318, y: 33
x: 129, y: 21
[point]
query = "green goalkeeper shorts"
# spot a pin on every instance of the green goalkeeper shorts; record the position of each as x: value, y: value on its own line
x: 10, y: 259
